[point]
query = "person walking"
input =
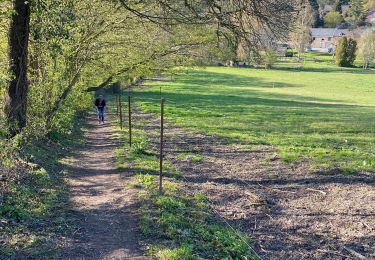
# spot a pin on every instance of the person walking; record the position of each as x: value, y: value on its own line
x: 100, y: 108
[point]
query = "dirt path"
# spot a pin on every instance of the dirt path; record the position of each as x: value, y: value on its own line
x: 289, y: 210
x: 104, y: 209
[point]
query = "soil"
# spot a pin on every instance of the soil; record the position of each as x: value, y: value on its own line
x: 104, y: 210
x: 290, y: 210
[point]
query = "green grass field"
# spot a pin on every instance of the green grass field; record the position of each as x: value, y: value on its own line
x: 321, y: 113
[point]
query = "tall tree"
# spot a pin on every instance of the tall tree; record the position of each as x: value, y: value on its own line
x: 81, y: 43
x: 345, y: 52
x: 255, y: 22
x: 300, y: 35
x: 316, y: 14
x: 357, y: 11
x: 85, y: 45
x: 17, y: 88
x: 366, y: 48
x: 333, y: 19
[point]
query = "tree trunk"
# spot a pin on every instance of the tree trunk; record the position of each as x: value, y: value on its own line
x: 17, y: 89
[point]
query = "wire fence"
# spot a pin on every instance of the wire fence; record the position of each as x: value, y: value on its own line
x: 161, y: 156
x: 197, y: 118
x: 155, y: 101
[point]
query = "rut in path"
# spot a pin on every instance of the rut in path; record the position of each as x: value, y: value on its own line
x: 104, y: 208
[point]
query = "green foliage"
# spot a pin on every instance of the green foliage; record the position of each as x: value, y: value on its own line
x: 191, y: 157
x: 76, y: 45
x: 27, y: 204
x: 181, y: 252
x: 340, y: 53
x: 146, y: 180
x: 333, y: 19
x: 317, y: 21
x: 5, y: 12
x: 34, y: 201
x: 357, y: 11
x: 139, y: 145
x: 346, y: 52
x: 184, y: 219
x: 366, y: 48
x: 269, y: 58
x: 304, y: 114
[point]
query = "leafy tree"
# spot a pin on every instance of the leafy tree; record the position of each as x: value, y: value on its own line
x: 269, y: 58
x: 92, y: 47
x: 253, y: 22
x: 366, y: 48
x: 300, y: 36
x: 345, y: 52
x: 351, y: 50
x: 333, y: 19
x: 5, y: 14
x: 357, y: 11
x: 80, y: 45
x: 315, y: 13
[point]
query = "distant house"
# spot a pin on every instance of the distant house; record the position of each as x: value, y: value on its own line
x: 357, y: 33
x: 326, y: 9
x: 370, y: 18
x: 326, y: 39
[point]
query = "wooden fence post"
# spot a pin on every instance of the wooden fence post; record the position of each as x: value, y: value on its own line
x: 117, y: 105
x: 161, y: 144
x: 120, y: 106
x: 130, y: 121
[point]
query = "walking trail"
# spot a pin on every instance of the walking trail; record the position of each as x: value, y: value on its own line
x: 104, y: 209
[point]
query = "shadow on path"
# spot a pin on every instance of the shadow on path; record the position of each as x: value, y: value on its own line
x: 103, y: 209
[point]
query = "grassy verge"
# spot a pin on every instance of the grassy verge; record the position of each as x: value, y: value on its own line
x: 322, y: 114
x: 178, y: 222
x: 33, y: 209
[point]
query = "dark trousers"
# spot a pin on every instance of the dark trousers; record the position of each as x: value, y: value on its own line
x: 101, y: 113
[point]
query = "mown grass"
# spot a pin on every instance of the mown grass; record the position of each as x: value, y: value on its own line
x: 179, y: 224
x: 320, y: 113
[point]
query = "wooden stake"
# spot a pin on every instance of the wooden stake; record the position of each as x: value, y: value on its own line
x: 161, y: 144
x: 120, y: 105
x: 130, y: 121
x: 117, y: 104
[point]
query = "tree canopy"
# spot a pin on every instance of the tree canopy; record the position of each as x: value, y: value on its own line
x: 71, y: 46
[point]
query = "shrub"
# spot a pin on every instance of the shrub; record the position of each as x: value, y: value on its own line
x: 345, y: 52
x: 269, y: 58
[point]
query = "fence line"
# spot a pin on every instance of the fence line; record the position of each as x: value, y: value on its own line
x: 162, y: 103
